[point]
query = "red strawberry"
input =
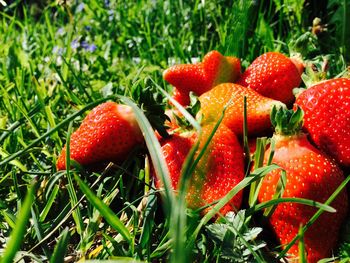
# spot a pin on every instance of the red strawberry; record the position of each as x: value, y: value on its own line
x: 182, y: 98
x: 107, y: 133
x: 220, y: 69
x: 327, y: 117
x: 175, y: 150
x: 258, y: 108
x: 273, y: 75
x: 219, y: 170
x: 187, y: 77
x: 311, y: 175
x: 201, y: 77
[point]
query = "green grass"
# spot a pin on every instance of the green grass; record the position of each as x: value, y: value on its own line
x: 58, y: 61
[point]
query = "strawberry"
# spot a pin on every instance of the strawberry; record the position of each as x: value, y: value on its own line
x: 107, y: 133
x: 201, y: 77
x: 327, y: 117
x: 258, y: 108
x: 220, y: 69
x: 273, y: 75
x: 310, y: 174
x: 175, y: 150
x: 218, y: 171
x: 182, y: 98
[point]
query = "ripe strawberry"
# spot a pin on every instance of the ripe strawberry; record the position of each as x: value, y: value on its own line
x: 311, y: 175
x: 219, y: 170
x: 107, y: 133
x: 327, y: 117
x: 273, y: 75
x: 187, y: 77
x: 220, y: 69
x: 175, y: 150
x: 258, y: 108
x: 182, y: 98
x: 201, y: 77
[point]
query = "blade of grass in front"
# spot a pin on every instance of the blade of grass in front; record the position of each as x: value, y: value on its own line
x: 105, y: 211
x: 301, y: 246
x: 73, y: 197
x: 281, y: 185
x: 17, y: 235
x: 302, y: 201
x: 148, y: 222
x: 188, y: 170
x: 49, y: 203
x: 60, y: 248
x: 207, y: 142
x: 154, y: 149
x: 258, y: 162
x: 315, y: 216
x: 179, y: 217
x: 175, y: 207
x: 38, y: 227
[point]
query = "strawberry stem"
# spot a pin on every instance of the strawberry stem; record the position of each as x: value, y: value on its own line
x: 287, y: 122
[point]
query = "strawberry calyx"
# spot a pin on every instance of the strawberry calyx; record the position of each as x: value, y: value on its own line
x: 287, y: 122
x: 152, y: 102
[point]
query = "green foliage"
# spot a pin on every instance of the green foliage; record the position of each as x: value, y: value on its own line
x: 60, y: 59
x: 287, y: 122
x: 237, y: 242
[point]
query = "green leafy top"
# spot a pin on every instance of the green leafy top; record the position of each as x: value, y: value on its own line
x: 287, y: 122
x: 151, y: 101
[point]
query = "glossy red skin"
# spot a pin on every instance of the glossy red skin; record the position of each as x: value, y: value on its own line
x: 272, y: 75
x: 201, y: 77
x: 224, y: 166
x: 187, y: 77
x: 258, y: 108
x: 104, y: 135
x: 175, y: 149
x: 327, y: 117
x: 219, y: 170
x: 310, y: 175
x: 181, y: 97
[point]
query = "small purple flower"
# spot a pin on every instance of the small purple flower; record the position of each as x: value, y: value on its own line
x: 107, y: 3
x: 92, y: 48
x: 88, y: 47
x: 88, y: 28
x: 75, y: 44
x: 80, y: 8
x: 84, y: 44
x: 60, y: 31
x: 58, y: 50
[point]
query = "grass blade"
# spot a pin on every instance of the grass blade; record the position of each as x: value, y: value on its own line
x: 61, y: 248
x: 17, y: 235
x: 301, y: 247
x: 154, y: 149
x: 302, y: 201
x: 105, y: 211
x: 73, y: 197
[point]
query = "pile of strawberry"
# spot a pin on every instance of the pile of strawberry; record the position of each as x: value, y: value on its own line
x: 312, y: 140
